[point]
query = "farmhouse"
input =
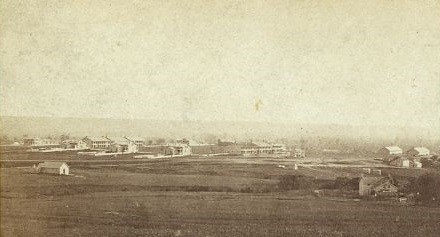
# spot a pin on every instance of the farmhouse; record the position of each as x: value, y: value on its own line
x: 97, y: 142
x: 418, y: 151
x: 378, y: 186
x: 50, y: 167
x: 390, y: 151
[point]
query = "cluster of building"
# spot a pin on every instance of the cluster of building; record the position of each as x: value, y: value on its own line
x: 395, y: 156
x: 181, y: 147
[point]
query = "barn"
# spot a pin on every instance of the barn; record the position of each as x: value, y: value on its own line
x: 390, y: 151
x: 50, y: 167
x: 418, y: 151
x: 377, y: 186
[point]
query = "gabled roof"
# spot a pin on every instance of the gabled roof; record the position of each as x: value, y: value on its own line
x: 119, y: 140
x: 421, y: 149
x: 393, y: 148
x: 51, y: 164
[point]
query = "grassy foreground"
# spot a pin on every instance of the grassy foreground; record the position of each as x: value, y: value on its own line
x: 174, y: 198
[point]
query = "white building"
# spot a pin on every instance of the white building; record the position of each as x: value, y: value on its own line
x: 101, y: 143
x: 391, y: 150
x: 50, y: 167
x: 263, y: 149
x: 38, y: 142
x: 177, y: 149
x: 418, y: 151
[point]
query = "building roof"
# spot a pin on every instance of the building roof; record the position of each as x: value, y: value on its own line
x: 393, y: 148
x: 97, y: 139
x: 51, y: 164
x: 423, y: 150
x: 119, y: 140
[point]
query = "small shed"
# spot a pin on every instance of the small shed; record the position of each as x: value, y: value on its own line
x: 51, y: 167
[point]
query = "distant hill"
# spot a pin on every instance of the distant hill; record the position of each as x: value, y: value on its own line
x: 43, y: 126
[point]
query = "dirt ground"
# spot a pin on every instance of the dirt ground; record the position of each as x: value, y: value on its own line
x: 195, y: 197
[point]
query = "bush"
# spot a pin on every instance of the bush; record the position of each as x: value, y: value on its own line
x: 344, y: 183
x: 296, y: 182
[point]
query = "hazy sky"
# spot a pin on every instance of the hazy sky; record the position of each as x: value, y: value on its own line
x: 356, y: 62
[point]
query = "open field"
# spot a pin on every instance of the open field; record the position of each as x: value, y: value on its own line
x: 198, y: 197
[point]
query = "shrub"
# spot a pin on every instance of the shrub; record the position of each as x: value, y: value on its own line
x: 296, y: 182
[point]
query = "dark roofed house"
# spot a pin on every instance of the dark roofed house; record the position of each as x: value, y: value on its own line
x: 51, y: 167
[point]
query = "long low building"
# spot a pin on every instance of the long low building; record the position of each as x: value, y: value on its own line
x: 171, y: 149
x: 418, y: 151
x: 36, y: 142
x: 390, y: 151
x: 114, y: 144
x: 100, y: 143
x: 263, y: 149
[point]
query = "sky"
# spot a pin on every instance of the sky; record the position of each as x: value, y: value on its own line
x: 368, y: 62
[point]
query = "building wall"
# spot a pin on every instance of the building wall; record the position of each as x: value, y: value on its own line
x: 364, y: 189
x: 216, y: 149
x: 64, y: 170
x: 96, y: 144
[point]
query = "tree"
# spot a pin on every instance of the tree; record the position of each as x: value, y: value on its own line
x: 160, y: 141
x: 64, y: 137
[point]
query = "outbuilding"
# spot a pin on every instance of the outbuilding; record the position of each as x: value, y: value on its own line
x: 382, y: 186
x: 418, y: 151
x: 391, y: 151
x: 51, y: 167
